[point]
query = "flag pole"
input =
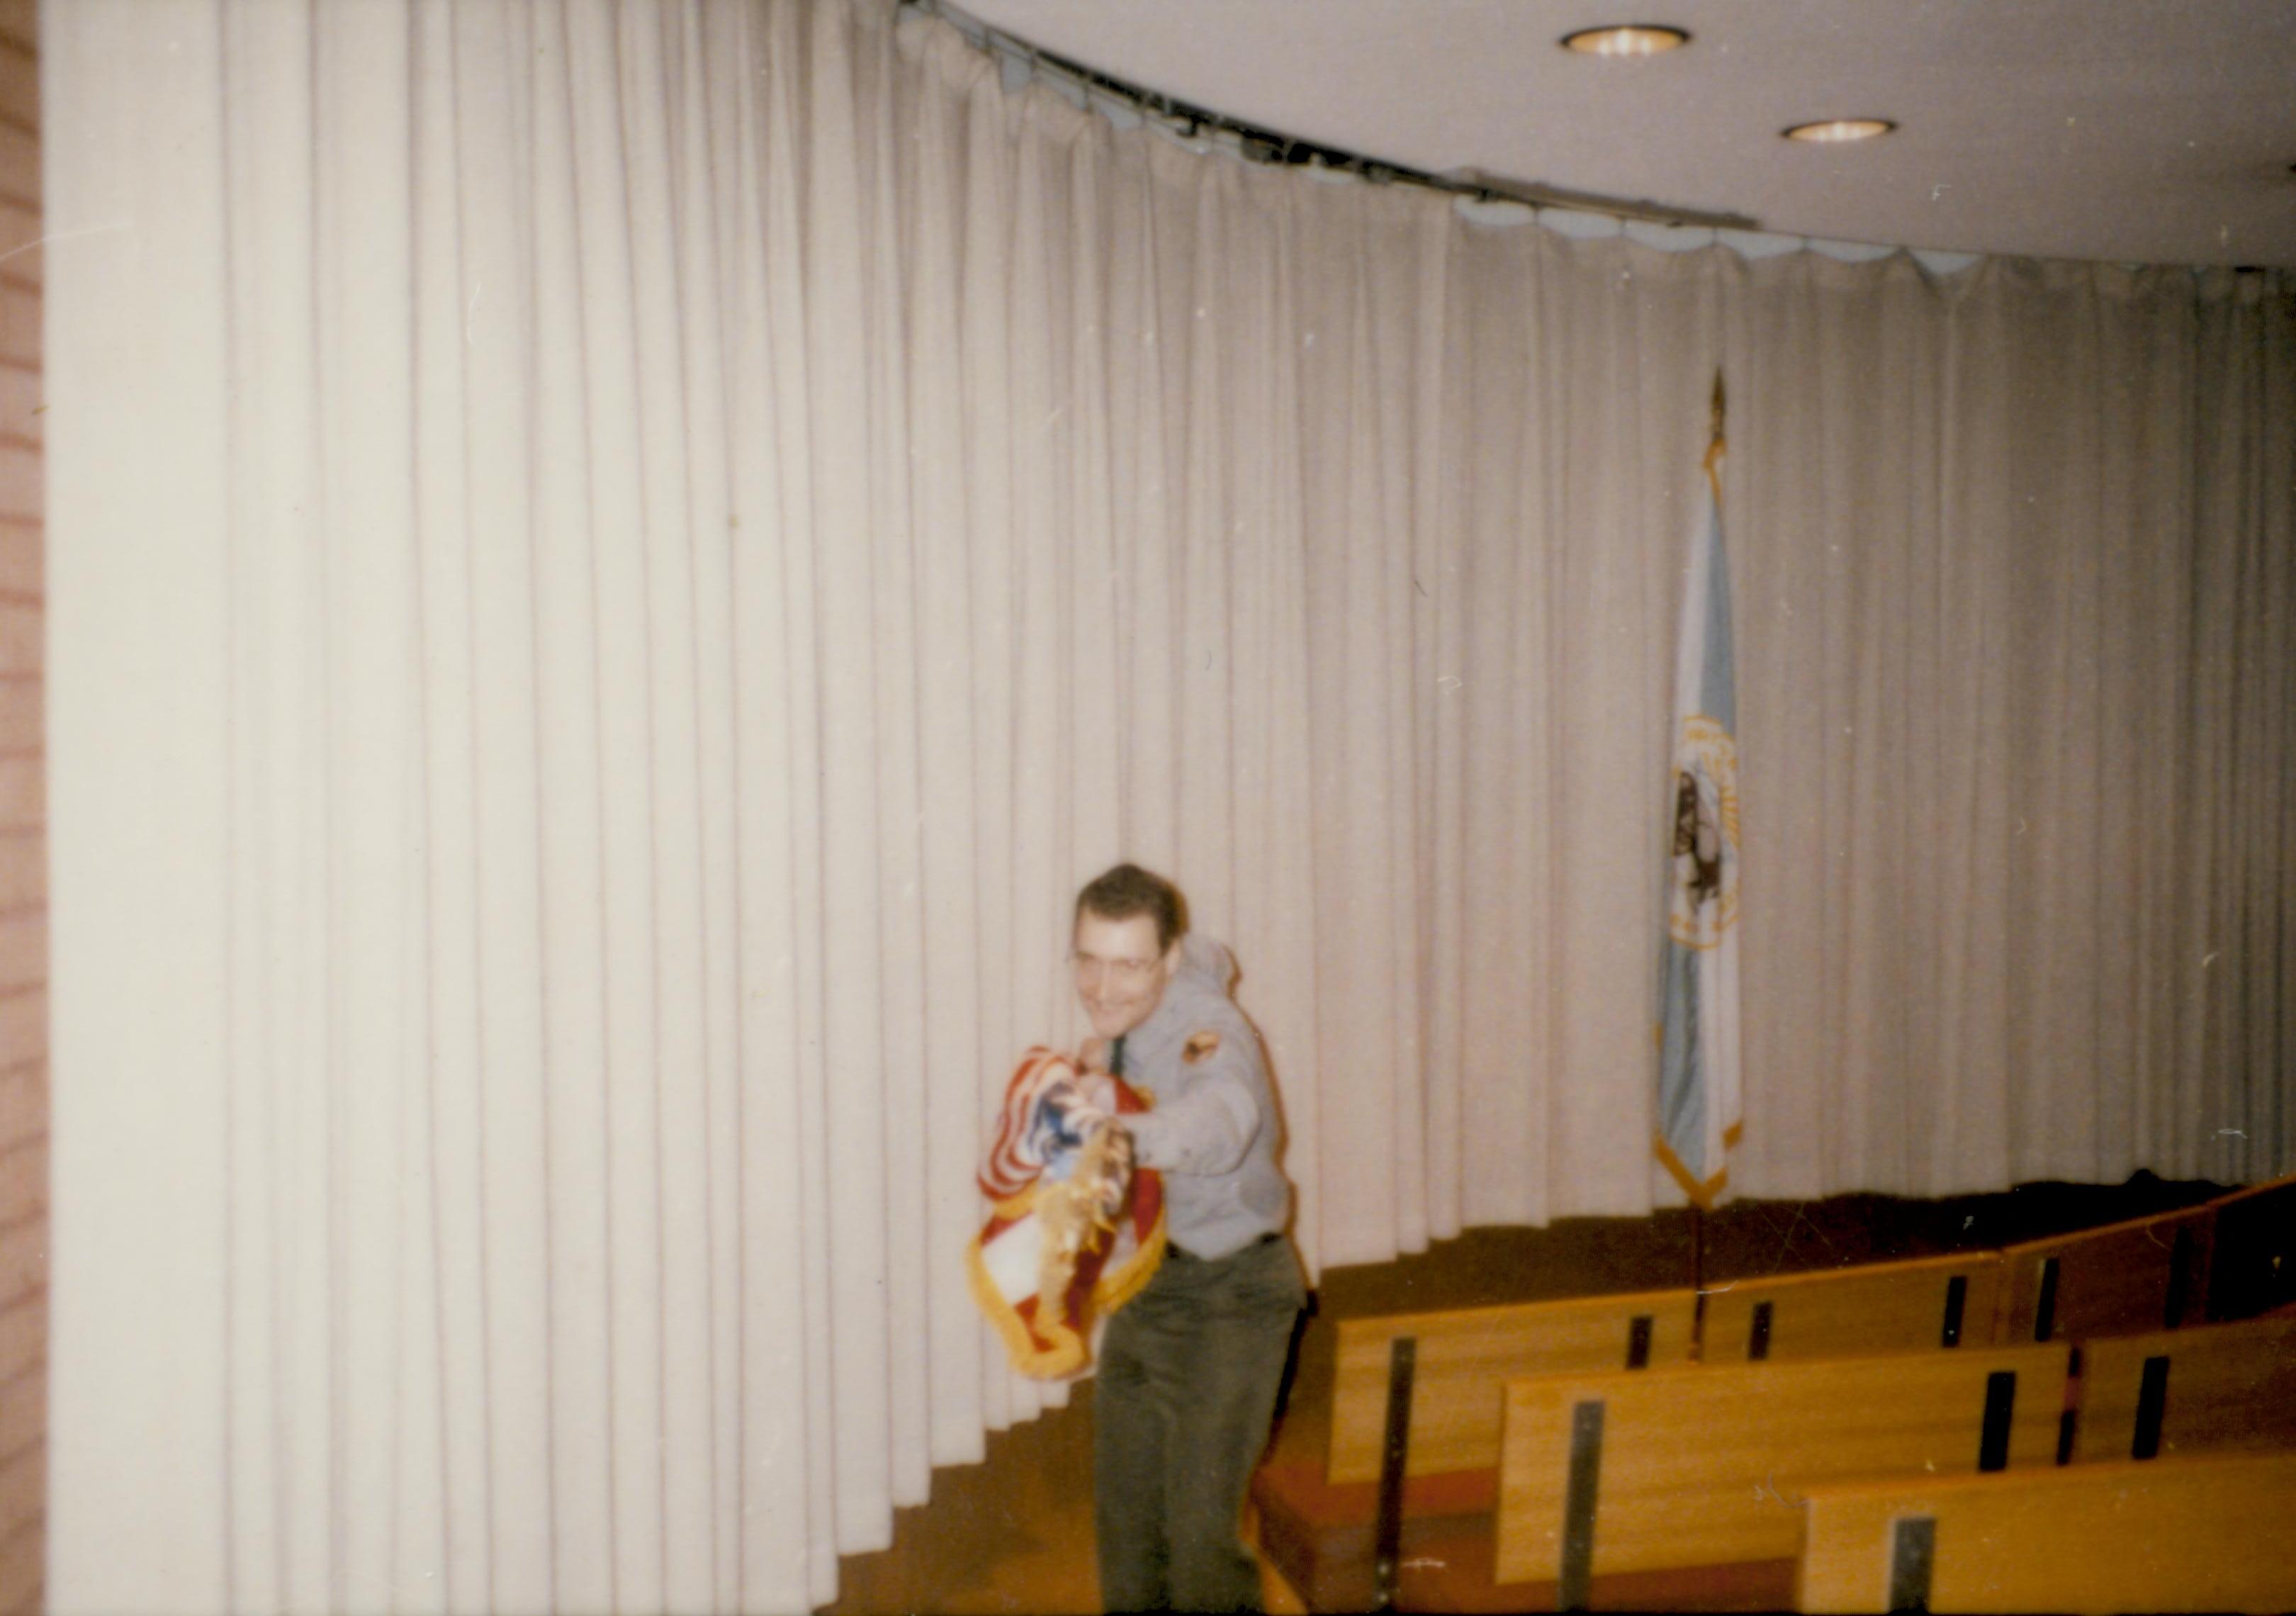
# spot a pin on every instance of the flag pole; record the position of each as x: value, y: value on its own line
x: 1697, y: 1281
x: 1697, y: 1209
x: 1701, y: 887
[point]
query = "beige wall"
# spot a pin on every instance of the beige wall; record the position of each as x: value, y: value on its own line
x: 23, y: 837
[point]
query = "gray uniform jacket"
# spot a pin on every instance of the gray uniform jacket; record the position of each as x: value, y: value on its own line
x: 1214, y: 1132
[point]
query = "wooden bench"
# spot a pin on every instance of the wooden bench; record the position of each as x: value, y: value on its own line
x: 2205, y: 1388
x: 2146, y: 1273
x: 2252, y: 1268
x: 1321, y: 1527
x: 1883, y: 1307
x: 1325, y: 1527
x: 2183, y: 1534
x: 1460, y: 1360
x: 1606, y: 1474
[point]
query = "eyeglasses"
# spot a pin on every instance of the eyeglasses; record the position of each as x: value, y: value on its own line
x: 1124, y: 973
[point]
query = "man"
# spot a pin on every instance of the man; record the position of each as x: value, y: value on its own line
x: 1190, y: 1367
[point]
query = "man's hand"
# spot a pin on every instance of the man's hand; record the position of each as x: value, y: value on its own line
x: 1084, y: 1105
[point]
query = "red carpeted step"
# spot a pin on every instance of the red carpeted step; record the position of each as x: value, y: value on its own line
x: 1320, y: 1535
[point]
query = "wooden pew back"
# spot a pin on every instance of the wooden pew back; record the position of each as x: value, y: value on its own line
x: 2186, y: 1534
x: 1464, y: 1357
x: 2146, y: 1273
x: 2204, y: 1388
x: 2253, y: 1265
x: 1884, y: 1307
x: 1705, y: 1465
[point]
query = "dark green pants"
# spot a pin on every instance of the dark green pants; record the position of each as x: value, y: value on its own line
x: 1188, y: 1375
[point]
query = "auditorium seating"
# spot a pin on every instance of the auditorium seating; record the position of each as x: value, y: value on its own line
x: 1883, y: 1307
x: 1602, y: 1473
x: 2146, y: 1273
x: 2206, y: 1388
x: 1320, y: 1527
x: 1699, y: 1422
x: 2208, y: 1533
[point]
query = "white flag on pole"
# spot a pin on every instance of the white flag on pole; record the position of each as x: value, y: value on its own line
x: 1698, y: 1084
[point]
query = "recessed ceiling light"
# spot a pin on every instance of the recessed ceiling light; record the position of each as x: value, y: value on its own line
x: 1832, y: 129
x: 1626, y: 39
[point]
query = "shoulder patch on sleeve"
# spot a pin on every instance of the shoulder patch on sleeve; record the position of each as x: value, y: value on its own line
x: 1201, y: 1046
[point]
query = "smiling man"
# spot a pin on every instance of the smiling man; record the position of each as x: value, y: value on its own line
x: 1190, y: 1367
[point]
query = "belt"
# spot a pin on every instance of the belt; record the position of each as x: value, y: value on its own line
x: 1181, y: 1254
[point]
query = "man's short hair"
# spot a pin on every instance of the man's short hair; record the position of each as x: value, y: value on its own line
x: 1128, y: 890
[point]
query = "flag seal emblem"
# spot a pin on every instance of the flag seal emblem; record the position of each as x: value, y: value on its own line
x: 1703, y: 891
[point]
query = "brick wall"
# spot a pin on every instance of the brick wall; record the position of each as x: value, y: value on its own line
x: 23, y: 836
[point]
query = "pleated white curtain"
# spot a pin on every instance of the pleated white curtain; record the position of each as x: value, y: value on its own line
x: 614, y: 565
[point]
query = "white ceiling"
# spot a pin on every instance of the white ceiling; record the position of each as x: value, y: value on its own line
x: 2151, y: 131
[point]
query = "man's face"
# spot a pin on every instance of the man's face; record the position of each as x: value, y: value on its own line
x: 1119, y: 975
